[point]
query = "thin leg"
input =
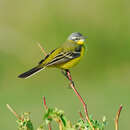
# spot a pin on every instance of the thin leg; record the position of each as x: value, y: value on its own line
x: 67, y: 74
x: 64, y: 73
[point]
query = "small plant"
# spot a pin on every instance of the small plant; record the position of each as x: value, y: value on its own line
x: 98, y: 125
x: 53, y: 114
x: 25, y: 123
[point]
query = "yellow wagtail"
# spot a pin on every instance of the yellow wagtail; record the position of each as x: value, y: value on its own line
x: 64, y: 57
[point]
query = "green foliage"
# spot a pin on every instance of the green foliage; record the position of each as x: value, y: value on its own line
x: 24, y: 123
x: 58, y: 116
x: 98, y: 125
x: 54, y: 114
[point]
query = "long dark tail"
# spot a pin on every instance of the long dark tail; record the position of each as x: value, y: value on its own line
x: 30, y: 72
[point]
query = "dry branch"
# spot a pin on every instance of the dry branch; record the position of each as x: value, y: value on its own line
x: 117, y: 117
x: 13, y: 111
x: 42, y: 49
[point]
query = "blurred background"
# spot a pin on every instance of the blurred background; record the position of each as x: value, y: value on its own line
x: 102, y: 77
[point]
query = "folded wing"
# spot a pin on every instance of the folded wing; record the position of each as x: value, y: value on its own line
x: 63, y: 57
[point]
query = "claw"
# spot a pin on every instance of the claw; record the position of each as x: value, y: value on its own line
x: 67, y: 74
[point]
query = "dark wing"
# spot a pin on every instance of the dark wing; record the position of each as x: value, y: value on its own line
x: 63, y: 57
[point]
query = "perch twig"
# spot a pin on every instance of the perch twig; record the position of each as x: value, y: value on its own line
x: 68, y: 75
x: 117, y: 117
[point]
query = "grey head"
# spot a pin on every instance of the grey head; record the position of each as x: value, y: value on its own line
x: 76, y: 36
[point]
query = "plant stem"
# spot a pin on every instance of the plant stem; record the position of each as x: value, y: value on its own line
x: 68, y: 75
x: 42, y: 49
x: 117, y: 117
x: 13, y: 111
x: 81, y: 116
x: 45, y: 106
x: 44, y: 101
x: 60, y: 125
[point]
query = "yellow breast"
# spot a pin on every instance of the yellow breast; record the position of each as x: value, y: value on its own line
x: 72, y: 62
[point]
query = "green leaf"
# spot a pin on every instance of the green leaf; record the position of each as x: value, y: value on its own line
x: 25, y: 122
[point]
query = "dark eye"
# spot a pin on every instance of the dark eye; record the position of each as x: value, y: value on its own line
x: 75, y: 38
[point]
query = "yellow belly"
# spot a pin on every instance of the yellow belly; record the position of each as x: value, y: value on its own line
x: 70, y: 64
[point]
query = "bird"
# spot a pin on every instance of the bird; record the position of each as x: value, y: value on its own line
x: 64, y: 57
